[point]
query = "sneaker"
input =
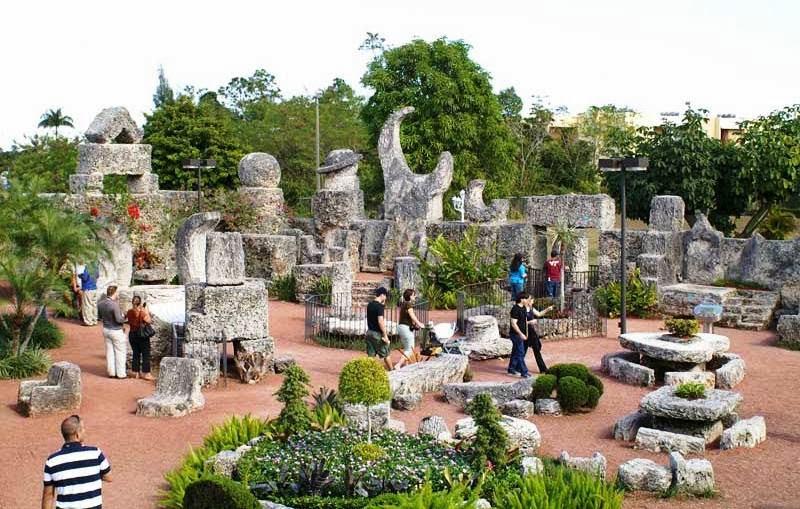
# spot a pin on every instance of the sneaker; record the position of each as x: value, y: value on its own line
x: 526, y: 375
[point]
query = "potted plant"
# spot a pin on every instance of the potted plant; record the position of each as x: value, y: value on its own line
x: 682, y: 328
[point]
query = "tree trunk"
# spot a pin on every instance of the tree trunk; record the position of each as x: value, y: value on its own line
x: 562, y: 286
x: 369, y: 424
x: 756, y: 220
x: 31, y: 327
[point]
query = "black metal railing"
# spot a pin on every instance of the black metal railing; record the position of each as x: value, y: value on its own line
x: 338, y: 321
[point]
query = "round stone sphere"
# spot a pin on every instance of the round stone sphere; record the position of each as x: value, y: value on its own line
x: 259, y: 169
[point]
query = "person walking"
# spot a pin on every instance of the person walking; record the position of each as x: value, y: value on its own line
x: 517, y: 273
x: 138, y: 317
x: 552, y: 272
x: 533, y: 341
x: 408, y: 323
x: 113, y: 319
x: 74, y: 475
x: 519, y: 332
x: 377, y: 336
x: 87, y: 274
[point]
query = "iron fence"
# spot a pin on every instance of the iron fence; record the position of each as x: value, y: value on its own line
x: 336, y: 320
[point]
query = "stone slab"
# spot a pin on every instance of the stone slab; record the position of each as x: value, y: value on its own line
x: 644, y: 475
x: 579, y: 210
x: 697, y: 350
x: 177, y: 389
x: 59, y: 392
x: 190, y: 246
x: 460, y: 393
x: 706, y: 378
x: 521, y: 433
x: 593, y: 465
x: 628, y: 426
x: 224, y: 259
x: 745, y: 433
x: 114, y: 159
x: 547, y: 406
x: 708, y: 431
x: 428, y: 376
x: 432, y: 425
x: 654, y: 440
x: 113, y: 124
x: 695, y: 476
x: 519, y: 408
x: 241, y: 311
x: 716, y: 405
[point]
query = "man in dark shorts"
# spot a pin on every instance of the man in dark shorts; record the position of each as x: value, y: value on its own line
x: 377, y: 337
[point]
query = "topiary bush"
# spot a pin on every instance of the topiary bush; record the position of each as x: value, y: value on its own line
x: 682, y: 327
x: 578, y: 371
x: 491, y: 440
x: 592, y: 396
x: 295, y: 415
x: 594, y: 381
x: 572, y: 393
x: 691, y: 390
x: 544, y: 386
x: 219, y: 493
x: 363, y: 381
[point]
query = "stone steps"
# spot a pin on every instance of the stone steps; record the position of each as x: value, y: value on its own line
x: 364, y: 291
x: 749, y: 310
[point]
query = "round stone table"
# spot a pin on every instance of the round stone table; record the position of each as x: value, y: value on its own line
x: 661, y: 346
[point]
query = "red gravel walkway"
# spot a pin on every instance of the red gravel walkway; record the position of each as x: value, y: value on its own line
x: 142, y: 449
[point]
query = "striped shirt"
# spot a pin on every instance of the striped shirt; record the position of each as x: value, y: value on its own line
x: 76, y: 471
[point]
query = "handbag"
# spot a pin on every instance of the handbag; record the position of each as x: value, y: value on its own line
x: 146, y: 331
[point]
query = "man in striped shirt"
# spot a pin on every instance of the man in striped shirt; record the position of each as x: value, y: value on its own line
x: 73, y: 476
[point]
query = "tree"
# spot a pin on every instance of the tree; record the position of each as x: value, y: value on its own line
x: 456, y: 111
x: 770, y: 147
x: 241, y: 93
x: 607, y: 129
x: 295, y: 415
x: 491, y: 440
x: 52, y: 159
x: 55, y: 119
x: 184, y: 130
x: 364, y: 382
x: 164, y: 93
x: 565, y: 237
x: 510, y: 103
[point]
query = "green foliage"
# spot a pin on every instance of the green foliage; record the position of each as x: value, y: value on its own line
x: 594, y: 381
x: 691, y: 390
x: 326, y: 416
x: 164, y: 93
x: 189, y: 129
x: 219, y: 493
x: 29, y: 363
x: 779, y: 224
x: 55, y: 119
x: 329, y: 396
x: 544, y: 385
x: 295, y: 415
x: 640, y: 298
x: 456, y: 111
x: 491, y: 440
x: 235, y: 432
x: 50, y: 158
x: 559, y: 488
x: 321, y: 502
x: 46, y: 334
x: 237, y: 211
x: 592, y: 396
x: 368, y: 452
x: 739, y: 283
x: 572, y: 393
x: 575, y: 370
x: 284, y: 288
x: 682, y: 327
x: 324, y: 288
x: 364, y: 381
x: 458, y: 497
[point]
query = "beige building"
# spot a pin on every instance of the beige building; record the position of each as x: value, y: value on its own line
x: 722, y: 127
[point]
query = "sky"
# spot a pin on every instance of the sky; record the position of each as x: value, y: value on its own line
x: 727, y: 56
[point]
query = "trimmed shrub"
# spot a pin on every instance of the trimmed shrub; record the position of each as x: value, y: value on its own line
x: 572, y: 393
x: 368, y: 452
x: 491, y: 440
x: 364, y: 381
x: 593, y: 396
x: 578, y: 371
x: 682, y: 327
x: 544, y: 385
x: 46, y: 334
x: 219, y: 493
x: 594, y: 381
x: 295, y: 415
x: 691, y: 390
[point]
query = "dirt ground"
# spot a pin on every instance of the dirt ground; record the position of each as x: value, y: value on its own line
x: 142, y: 449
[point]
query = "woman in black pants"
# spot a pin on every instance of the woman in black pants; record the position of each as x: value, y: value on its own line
x: 138, y: 316
x: 533, y: 341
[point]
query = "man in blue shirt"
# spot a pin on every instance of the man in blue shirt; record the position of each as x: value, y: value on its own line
x: 87, y: 275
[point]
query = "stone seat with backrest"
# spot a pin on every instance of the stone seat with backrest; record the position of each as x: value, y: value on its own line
x: 61, y: 392
x: 177, y: 390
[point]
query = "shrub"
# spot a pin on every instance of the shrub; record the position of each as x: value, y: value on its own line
x: 592, y: 396
x: 691, y: 390
x: 29, y: 363
x: 543, y: 386
x: 368, y: 452
x: 578, y: 371
x: 682, y: 327
x: 640, y: 298
x: 778, y: 225
x: 46, y: 334
x: 364, y: 381
x: 219, y: 493
x: 329, y: 396
x: 324, y: 288
x: 295, y: 415
x: 572, y: 393
x: 491, y: 440
x: 326, y: 416
x: 284, y: 288
x: 561, y: 488
x: 594, y: 381
x: 458, y: 497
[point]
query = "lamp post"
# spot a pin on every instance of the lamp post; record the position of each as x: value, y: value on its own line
x: 199, y: 165
x: 623, y: 165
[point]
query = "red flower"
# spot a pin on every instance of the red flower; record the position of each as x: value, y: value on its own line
x: 133, y: 211
x: 94, y: 212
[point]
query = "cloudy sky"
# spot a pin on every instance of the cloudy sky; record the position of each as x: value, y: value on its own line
x: 729, y: 56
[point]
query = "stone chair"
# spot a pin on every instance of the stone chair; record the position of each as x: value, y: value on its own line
x: 177, y: 389
x: 61, y: 392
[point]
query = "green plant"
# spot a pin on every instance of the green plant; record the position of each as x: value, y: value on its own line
x: 544, y: 385
x: 284, y: 288
x: 491, y: 440
x: 46, y: 334
x: 691, y: 390
x: 326, y: 395
x: 558, y: 488
x: 682, y: 327
x: 363, y: 381
x: 739, y: 283
x: 324, y: 288
x: 572, y: 393
x: 778, y: 225
x: 641, y: 298
x: 576, y: 370
x: 219, y: 493
x: 326, y: 416
x: 29, y: 363
x: 594, y: 381
x: 235, y: 432
x: 592, y: 396
x: 368, y: 452
x: 295, y: 415
x: 457, y: 497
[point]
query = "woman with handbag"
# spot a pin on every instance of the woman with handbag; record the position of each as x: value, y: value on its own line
x: 408, y: 324
x: 139, y: 335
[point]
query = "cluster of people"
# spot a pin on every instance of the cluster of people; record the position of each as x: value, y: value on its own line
x: 378, y: 335
x: 518, y: 274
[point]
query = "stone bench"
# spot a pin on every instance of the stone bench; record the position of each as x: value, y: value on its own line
x: 177, y: 390
x: 61, y: 392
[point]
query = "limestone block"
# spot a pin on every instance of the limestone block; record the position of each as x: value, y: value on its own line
x: 789, y: 328
x: 713, y: 407
x: 269, y: 256
x: 680, y: 299
x: 547, y: 406
x: 630, y: 372
x: 308, y: 275
x: 429, y: 376
x: 644, y: 475
x: 731, y: 373
x: 654, y: 345
x: 143, y: 184
x: 460, y: 393
x: 519, y: 408
x: 408, y: 195
x: 530, y: 241
x: 253, y: 358
x: 336, y: 209
x: 745, y: 433
x: 790, y: 297
x: 628, y: 426
x: 609, y: 252
x: 406, y: 401
x: 224, y: 259
x: 395, y: 425
x: 701, y: 262
x: 482, y: 339
x: 475, y: 209
x: 531, y: 465
x: 577, y: 258
x: 116, y: 266
x: 190, y: 246
x: 282, y: 362
x: 709, y: 431
x: 357, y: 415
x: 259, y: 169
x: 241, y: 311
x: 268, y: 207
x: 432, y: 425
x: 177, y: 389
x: 654, y: 440
x: 86, y: 183
x: 114, y: 159
x: 341, y: 170
x: 113, y: 124
x: 406, y: 272
x: 594, y: 465
x: 521, y: 433
x: 625, y: 355
x: 207, y: 354
x: 695, y: 476
x: 666, y: 213
x: 580, y: 210
x: 224, y: 462
x: 60, y: 392
x: 706, y: 378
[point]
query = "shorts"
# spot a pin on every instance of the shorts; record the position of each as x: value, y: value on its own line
x: 407, y: 337
x: 376, y: 346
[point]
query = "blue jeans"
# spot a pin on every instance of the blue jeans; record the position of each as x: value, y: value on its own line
x: 516, y: 288
x: 552, y: 288
x: 517, y: 362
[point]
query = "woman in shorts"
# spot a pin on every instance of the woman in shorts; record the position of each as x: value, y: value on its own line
x: 408, y: 323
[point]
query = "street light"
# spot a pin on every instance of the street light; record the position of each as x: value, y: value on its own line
x: 623, y: 165
x: 199, y: 165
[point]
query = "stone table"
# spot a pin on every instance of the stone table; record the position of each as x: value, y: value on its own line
x: 664, y: 352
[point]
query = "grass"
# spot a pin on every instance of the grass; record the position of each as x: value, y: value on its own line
x: 788, y: 345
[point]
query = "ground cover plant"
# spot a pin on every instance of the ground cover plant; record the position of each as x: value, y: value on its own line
x: 691, y: 390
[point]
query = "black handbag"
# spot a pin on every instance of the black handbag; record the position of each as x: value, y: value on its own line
x: 146, y: 331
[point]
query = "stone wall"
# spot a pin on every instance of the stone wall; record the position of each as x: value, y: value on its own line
x: 269, y: 256
x: 578, y: 210
x: 608, y: 252
x: 499, y: 240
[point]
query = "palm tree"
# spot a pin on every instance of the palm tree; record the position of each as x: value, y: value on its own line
x: 55, y: 119
x: 565, y: 237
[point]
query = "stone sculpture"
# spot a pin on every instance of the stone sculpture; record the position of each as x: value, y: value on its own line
x: 177, y: 389
x: 190, y: 246
x: 60, y: 392
x: 113, y: 125
x: 477, y: 211
x: 260, y: 176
